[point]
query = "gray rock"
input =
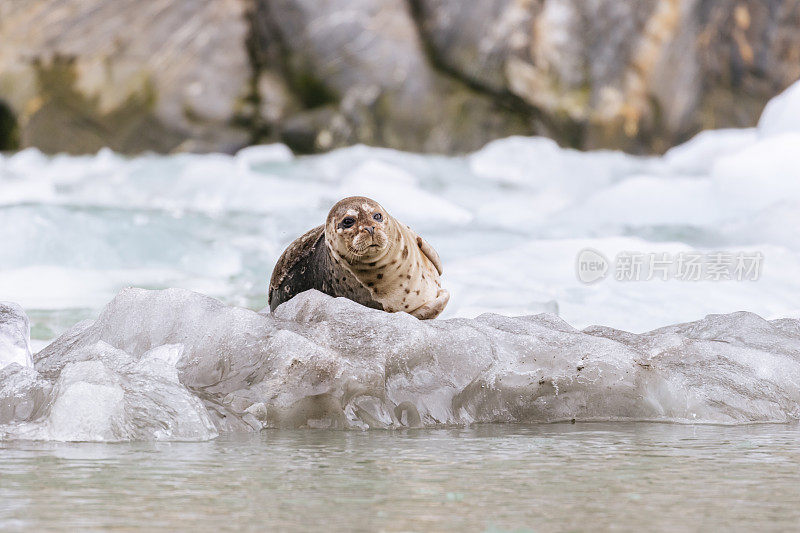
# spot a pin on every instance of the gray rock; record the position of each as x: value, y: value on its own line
x: 365, y: 61
x: 752, y: 54
x: 476, y: 41
x: 636, y: 75
x: 422, y: 75
x: 159, y: 75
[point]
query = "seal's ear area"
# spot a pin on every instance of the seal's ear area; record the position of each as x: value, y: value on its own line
x: 430, y: 253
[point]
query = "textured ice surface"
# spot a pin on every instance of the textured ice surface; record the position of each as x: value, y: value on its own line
x: 14, y: 336
x: 175, y: 364
x: 93, y: 391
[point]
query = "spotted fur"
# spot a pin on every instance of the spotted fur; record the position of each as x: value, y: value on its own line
x: 364, y: 254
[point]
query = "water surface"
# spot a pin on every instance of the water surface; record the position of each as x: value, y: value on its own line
x: 558, y: 477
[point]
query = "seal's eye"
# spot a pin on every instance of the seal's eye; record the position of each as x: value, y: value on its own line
x: 348, y: 222
x: 378, y: 217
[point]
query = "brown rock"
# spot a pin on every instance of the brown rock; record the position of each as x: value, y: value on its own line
x: 363, y: 61
x: 639, y: 75
x: 159, y: 75
x: 422, y: 75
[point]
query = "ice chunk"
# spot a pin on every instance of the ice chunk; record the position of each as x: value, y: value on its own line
x: 15, y: 334
x: 697, y: 155
x: 650, y: 200
x: 538, y: 162
x: 398, y: 192
x: 92, y: 391
x: 782, y: 113
x: 23, y: 395
x: 263, y: 154
x: 105, y: 394
x: 76, y: 229
x: 763, y: 173
x: 89, y: 403
x: 178, y: 365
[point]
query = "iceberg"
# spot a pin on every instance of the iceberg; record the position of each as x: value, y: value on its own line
x: 177, y: 365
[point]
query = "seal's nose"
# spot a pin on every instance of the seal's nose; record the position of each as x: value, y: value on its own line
x: 370, y: 229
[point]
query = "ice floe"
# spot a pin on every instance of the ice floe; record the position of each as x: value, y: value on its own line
x: 177, y: 365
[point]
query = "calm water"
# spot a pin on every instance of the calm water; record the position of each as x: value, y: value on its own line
x: 490, y: 478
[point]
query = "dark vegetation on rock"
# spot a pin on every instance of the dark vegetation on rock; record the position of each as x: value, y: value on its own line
x: 9, y: 132
x: 423, y: 75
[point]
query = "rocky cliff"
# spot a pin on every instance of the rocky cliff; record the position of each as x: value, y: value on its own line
x: 423, y: 75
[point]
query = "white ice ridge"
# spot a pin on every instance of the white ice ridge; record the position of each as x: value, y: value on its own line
x: 177, y: 365
x: 15, y: 335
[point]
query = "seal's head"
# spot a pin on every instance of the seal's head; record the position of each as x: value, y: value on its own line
x: 359, y: 229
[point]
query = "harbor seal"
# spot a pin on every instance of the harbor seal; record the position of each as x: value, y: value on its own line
x: 364, y: 254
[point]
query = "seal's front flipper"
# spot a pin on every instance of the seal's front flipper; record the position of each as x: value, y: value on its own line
x: 430, y: 253
x: 433, y: 308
